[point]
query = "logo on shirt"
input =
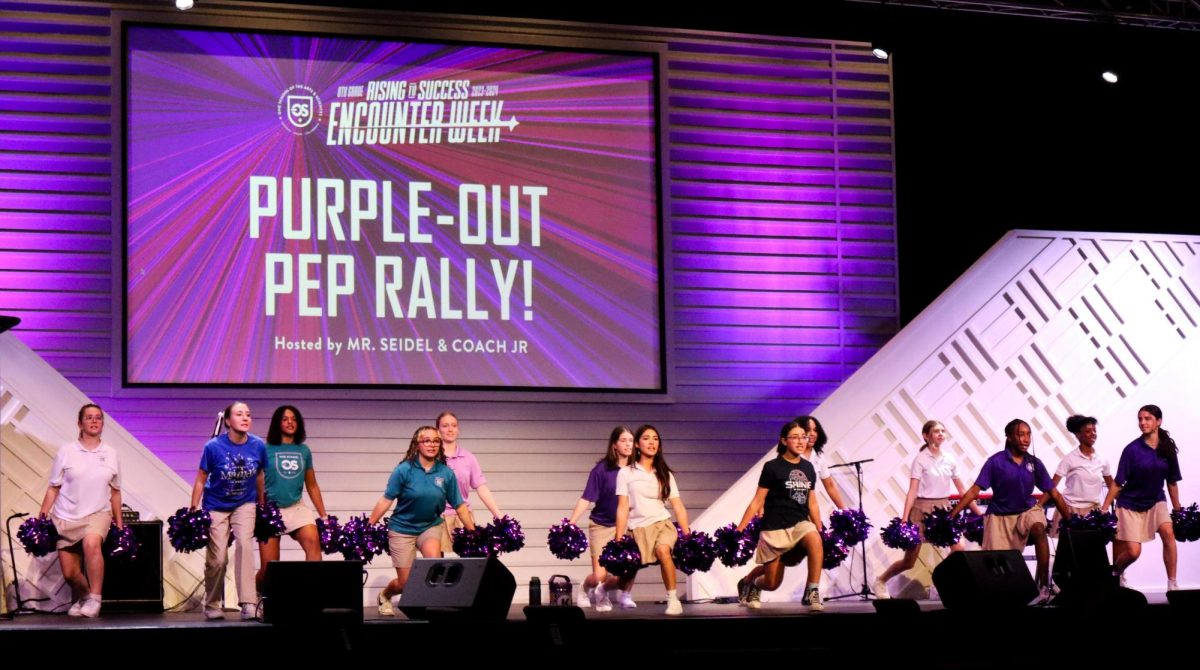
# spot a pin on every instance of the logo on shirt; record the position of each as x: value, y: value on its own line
x: 798, y: 486
x: 289, y: 465
x: 1029, y: 467
x: 439, y: 482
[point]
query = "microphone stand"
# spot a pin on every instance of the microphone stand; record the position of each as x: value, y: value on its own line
x: 21, y: 608
x: 865, y: 593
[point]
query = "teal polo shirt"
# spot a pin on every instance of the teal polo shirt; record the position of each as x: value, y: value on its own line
x: 420, y: 496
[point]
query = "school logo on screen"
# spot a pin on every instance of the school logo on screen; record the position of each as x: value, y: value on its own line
x: 299, y: 109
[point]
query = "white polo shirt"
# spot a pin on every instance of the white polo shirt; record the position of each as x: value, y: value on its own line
x: 937, y: 474
x: 1083, y: 478
x: 85, y: 478
x: 641, y: 486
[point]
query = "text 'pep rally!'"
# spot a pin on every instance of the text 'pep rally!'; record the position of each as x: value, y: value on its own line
x: 339, y: 209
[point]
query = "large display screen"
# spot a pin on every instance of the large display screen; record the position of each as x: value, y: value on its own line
x: 324, y: 210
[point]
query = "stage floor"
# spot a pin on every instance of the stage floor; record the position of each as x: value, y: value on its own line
x: 845, y: 632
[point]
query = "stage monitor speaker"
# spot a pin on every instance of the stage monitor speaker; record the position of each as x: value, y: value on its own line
x: 1081, y: 565
x: 304, y: 592
x: 1187, y: 600
x: 136, y: 585
x: 984, y: 579
x: 471, y: 588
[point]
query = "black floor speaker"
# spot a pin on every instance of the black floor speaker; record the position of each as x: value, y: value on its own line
x: 469, y: 588
x: 135, y: 585
x: 308, y: 592
x: 984, y: 579
x: 1081, y: 564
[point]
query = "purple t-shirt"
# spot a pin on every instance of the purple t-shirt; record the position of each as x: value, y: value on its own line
x: 602, y: 489
x: 467, y: 471
x: 232, y: 472
x: 1141, y: 473
x: 1012, y: 483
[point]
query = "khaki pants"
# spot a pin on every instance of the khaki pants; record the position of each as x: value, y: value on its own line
x: 241, y: 523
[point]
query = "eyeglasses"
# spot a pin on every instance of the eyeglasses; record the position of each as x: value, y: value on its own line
x: 427, y: 440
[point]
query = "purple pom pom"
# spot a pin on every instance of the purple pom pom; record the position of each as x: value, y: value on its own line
x: 470, y: 543
x: 504, y: 535
x: 901, y: 535
x: 733, y: 548
x: 851, y: 525
x: 971, y: 525
x: 38, y: 535
x: 941, y: 529
x: 1187, y: 523
x: 835, y: 549
x: 1095, y: 520
x: 621, y: 557
x: 268, y: 522
x: 694, y: 552
x: 567, y: 541
x: 188, y: 530
x: 120, y: 544
x: 330, y: 532
x: 361, y: 541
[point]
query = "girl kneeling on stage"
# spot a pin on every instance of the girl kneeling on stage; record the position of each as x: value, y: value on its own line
x: 790, y: 531
x: 84, y: 500
x: 289, y: 471
x: 642, y: 488
x: 228, y: 483
x: 421, y: 486
x: 601, y: 490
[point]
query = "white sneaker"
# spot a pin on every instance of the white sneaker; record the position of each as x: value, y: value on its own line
x: 75, y: 607
x: 601, y: 601
x: 90, y: 607
x: 1045, y: 595
x: 814, y: 600
x: 674, y: 607
x: 881, y: 590
x: 385, y: 605
x: 249, y: 612
x: 214, y: 613
x: 626, y: 601
x: 584, y: 599
x: 1172, y: 585
x: 1121, y: 581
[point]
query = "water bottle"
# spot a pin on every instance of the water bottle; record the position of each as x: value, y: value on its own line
x: 535, y: 591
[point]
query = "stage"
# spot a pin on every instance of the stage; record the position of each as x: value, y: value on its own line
x: 921, y: 633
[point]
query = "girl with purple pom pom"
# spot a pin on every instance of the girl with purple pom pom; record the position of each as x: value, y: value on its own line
x: 791, y: 519
x: 289, y: 471
x: 229, y: 482
x: 1086, y: 476
x: 84, y: 500
x: 642, y: 490
x: 933, y: 476
x: 421, y: 487
x: 601, y: 490
x: 1146, y: 464
x: 466, y: 469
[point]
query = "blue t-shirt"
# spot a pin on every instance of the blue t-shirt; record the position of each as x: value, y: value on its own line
x: 1141, y: 473
x: 232, y: 469
x: 420, y: 496
x: 602, y: 489
x: 1012, y: 483
x: 287, y: 464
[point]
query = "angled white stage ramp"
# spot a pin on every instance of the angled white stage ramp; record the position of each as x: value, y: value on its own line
x: 38, y: 407
x: 1045, y: 325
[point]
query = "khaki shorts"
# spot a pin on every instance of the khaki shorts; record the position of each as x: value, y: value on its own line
x: 296, y: 517
x: 71, y: 533
x: 923, y: 506
x: 1011, y: 531
x: 1141, y: 526
x: 403, y: 548
x: 649, y: 537
x: 775, y: 543
x: 598, y: 536
x: 449, y: 523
